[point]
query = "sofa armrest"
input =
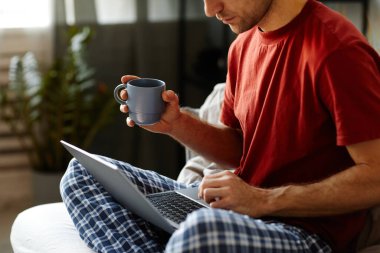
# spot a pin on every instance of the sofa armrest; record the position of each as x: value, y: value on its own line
x: 369, y: 240
x: 197, y: 166
x: 195, y: 113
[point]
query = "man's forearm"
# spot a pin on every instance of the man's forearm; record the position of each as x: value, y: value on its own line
x: 222, y: 145
x: 353, y: 189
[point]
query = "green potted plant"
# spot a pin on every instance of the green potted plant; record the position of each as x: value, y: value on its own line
x: 64, y: 103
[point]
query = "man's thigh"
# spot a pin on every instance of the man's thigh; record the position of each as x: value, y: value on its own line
x: 145, y: 180
x: 216, y: 230
x: 102, y: 222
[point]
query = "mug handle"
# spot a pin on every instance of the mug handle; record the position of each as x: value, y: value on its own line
x: 116, y: 93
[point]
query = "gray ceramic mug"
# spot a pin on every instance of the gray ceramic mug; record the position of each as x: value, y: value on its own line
x: 144, y: 101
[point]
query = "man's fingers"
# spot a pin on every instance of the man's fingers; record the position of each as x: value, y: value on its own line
x: 210, y: 194
x: 124, y: 94
x: 170, y: 96
x: 209, y: 183
x: 124, y: 108
x: 216, y: 180
x: 127, y: 78
x: 130, y: 122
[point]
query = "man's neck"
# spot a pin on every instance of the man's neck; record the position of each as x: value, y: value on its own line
x: 281, y: 13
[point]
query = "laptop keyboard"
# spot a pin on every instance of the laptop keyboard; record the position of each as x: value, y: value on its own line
x: 173, y: 205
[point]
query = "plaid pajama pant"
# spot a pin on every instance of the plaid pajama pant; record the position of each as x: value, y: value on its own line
x: 105, y: 226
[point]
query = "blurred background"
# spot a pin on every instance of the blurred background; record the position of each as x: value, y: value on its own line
x: 90, y: 44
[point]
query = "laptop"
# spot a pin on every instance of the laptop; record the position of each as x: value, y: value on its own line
x: 166, y: 210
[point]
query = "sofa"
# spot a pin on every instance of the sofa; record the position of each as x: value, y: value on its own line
x: 48, y: 228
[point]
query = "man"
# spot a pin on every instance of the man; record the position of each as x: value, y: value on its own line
x: 302, y: 116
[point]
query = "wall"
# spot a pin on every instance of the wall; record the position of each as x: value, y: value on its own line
x: 15, y: 174
x: 353, y: 10
x: 149, y: 50
x: 374, y: 24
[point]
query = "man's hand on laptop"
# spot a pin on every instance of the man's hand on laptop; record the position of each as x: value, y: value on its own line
x: 227, y: 191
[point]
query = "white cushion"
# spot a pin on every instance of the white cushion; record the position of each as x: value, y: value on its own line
x: 46, y: 229
x: 197, y: 166
x: 369, y: 240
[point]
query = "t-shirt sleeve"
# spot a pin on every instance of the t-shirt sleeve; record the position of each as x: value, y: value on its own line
x: 350, y: 88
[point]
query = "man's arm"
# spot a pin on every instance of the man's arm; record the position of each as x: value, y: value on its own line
x: 353, y: 189
x: 222, y: 145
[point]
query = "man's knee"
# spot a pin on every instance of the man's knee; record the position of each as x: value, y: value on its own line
x: 208, y: 230
x: 198, y: 230
x: 69, y: 181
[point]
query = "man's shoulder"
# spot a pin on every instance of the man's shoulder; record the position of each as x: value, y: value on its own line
x: 331, y: 26
x: 325, y: 32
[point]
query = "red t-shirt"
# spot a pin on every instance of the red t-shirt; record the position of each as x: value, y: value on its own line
x: 300, y: 94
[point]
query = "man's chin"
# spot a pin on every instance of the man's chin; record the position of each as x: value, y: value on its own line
x: 234, y: 28
x: 238, y: 29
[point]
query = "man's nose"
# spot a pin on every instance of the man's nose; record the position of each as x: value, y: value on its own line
x: 212, y: 7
